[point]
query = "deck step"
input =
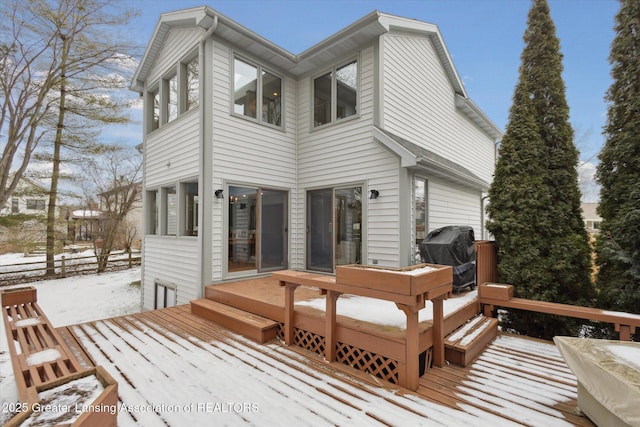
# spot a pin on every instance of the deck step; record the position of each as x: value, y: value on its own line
x: 257, y: 328
x: 465, y: 343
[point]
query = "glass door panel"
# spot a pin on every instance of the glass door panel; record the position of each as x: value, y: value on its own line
x: 273, y: 230
x: 320, y: 230
x: 348, y: 223
x: 242, y: 229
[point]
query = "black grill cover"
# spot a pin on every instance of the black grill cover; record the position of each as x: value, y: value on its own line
x: 452, y: 245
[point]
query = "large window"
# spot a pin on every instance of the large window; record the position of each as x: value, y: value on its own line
x: 252, y: 83
x: 190, y: 191
x: 191, y: 85
x: 176, y: 93
x: 169, y: 210
x: 152, y: 212
x: 171, y: 100
x: 173, y: 210
x: 335, y: 94
x: 154, y: 99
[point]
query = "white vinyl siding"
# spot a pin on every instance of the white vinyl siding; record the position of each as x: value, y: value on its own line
x: 451, y: 204
x: 419, y: 105
x: 175, y: 262
x: 246, y: 152
x: 344, y: 154
x: 171, y: 157
x: 171, y: 153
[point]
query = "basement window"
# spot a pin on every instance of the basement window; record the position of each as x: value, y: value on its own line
x: 166, y: 295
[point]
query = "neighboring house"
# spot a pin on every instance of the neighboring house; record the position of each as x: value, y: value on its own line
x: 83, y: 225
x: 257, y: 159
x: 29, y: 197
x: 591, y: 218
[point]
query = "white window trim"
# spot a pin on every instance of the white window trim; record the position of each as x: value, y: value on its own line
x: 334, y: 95
x: 157, y: 284
x: 260, y: 68
x: 161, y: 86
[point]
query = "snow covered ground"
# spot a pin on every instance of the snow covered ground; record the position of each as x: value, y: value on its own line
x: 70, y: 301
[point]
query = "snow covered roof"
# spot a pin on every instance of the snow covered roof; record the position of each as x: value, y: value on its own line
x: 86, y: 213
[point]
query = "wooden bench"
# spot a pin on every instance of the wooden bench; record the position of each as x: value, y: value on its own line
x: 465, y: 343
x: 42, y: 361
x: 38, y: 353
x: 257, y: 328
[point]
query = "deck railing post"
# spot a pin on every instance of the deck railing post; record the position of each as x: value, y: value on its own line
x: 330, y: 326
x: 63, y: 267
x: 289, y: 309
x: 438, y: 332
x: 409, y: 374
x: 625, y: 331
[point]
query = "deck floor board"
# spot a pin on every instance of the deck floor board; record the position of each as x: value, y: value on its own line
x: 513, y: 381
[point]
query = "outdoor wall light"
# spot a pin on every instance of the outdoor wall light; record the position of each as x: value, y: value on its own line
x: 218, y: 194
x: 374, y: 194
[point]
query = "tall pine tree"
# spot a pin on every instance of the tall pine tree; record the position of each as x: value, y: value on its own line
x: 618, y: 245
x: 543, y: 245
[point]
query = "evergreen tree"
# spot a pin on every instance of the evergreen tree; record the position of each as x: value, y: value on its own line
x: 543, y: 245
x: 618, y: 245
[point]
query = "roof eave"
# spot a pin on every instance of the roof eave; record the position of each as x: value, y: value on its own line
x: 476, y: 115
x: 199, y: 16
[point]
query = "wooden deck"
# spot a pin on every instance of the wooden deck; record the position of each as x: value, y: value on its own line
x: 168, y: 360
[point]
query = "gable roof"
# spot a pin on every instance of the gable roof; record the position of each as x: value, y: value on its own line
x: 355, y: 36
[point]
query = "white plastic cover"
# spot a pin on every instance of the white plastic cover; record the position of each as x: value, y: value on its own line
x: 609, y: 371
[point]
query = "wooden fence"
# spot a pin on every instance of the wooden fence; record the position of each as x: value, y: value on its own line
x: 64, y: 267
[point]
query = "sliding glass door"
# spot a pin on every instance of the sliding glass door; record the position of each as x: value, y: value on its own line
x: 273, y: 230
x: 258, y: 229
x: 334, y: 227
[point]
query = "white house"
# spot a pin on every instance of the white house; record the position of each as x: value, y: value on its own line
x: 257, y: 159
x: 29, y: 197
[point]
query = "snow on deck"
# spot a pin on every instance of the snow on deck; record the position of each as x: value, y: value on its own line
x: 386, y: 313
x: 188, y: 371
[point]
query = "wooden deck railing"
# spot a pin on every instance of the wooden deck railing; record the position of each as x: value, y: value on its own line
x: 494, y: 295
x: 407, y: 292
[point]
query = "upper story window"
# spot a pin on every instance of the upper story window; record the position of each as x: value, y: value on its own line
x: 257, y: 93
x: 171, y: 100
x: 177, y: 93
x: 191, y: 70
x: 335, y: 94
x: 154, y: 99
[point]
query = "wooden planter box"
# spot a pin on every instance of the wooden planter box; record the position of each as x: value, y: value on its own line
x: 18, y: 296
x: 101, y: 412
x: 413, y: 280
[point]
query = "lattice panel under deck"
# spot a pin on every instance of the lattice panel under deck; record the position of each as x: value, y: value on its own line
x: 309, y: 340
x: 280, y: 331
x: 379, y: 366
